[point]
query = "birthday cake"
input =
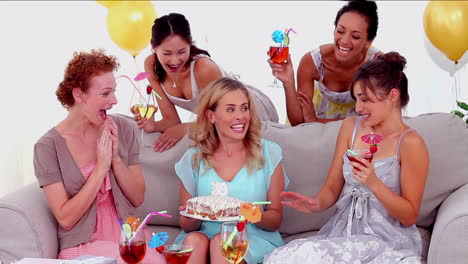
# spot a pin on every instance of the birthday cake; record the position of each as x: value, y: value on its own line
x: 214, y: 207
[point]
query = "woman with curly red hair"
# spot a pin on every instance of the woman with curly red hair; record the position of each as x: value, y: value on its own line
x: 88, y: 164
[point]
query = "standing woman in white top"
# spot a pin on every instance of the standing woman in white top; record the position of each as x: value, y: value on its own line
x: 178, y: 71
x: 325, y: 73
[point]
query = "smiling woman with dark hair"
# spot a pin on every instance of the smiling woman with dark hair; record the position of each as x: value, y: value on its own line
x: 179, y: 71
x: 377, y: 201
x: 325, y: 73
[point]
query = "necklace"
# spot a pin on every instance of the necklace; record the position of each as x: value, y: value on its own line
x: 173, y: 83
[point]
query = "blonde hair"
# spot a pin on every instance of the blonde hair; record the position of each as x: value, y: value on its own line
x: 204, y: 134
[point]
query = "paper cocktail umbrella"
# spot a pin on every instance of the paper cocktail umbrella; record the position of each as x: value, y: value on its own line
x: 158, y: 239
x: 251, y: 212
x: 372, y: 139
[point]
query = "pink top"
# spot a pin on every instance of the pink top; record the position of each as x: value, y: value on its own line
x: 106, y: 236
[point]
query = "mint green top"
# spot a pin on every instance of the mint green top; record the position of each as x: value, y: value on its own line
x: 243, y: 186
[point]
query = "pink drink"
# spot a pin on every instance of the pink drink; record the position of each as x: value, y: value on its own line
x: 363, y: 153
x: 176, y: 253
x: 134, y: 253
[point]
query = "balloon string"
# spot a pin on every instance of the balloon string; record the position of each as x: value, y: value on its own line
x: 458, y: 84
x: 455, y: 92
x: 136, y: 73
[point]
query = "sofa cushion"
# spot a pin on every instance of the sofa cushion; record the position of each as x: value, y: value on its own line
x: 446, y: 137
x: 29, y: 227
x: 162, y: 183
x: 308, y: 151
x: 307, y: 154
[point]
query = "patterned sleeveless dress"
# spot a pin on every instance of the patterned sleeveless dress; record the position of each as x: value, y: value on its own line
x: 329, y: 104
x: 361, y: 230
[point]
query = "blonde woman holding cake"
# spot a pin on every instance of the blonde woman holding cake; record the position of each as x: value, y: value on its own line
x: 229, y: 150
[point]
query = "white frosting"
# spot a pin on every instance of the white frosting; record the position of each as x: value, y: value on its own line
x: 215, y: 206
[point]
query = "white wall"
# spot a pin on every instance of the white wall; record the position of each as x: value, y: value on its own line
x: 38, y: 39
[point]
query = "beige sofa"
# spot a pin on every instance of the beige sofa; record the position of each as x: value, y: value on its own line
x: 28, y: 229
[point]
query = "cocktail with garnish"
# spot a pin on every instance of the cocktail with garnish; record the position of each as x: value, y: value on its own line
x: 363, y: 153
x: 234, y: 242
x: 132, y: 245
x: 278, y: 53
x: 176, y: 253
x: 279, y: 50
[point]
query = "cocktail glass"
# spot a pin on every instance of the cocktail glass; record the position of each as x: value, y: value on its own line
x: 132, y: 247
x: 363, y: 153
x: 233, y: 247
x: 177, y: 253
x: 278, y: 53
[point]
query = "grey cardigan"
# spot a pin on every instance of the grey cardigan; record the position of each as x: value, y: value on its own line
x: 54, y: 163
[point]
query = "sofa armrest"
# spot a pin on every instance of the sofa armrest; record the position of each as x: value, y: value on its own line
x: 28, y: 228
x: 449, y: 241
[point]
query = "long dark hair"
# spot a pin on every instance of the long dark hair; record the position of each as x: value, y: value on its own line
x: 368, y: 9
x: 172, y: 24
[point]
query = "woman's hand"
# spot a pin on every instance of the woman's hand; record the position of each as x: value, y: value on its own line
x: 283, y: 71
x: 307, y: 106
x: 148, y: 125
x: 104, y: 148
x: 300, y: 202
x: 114, y: 135
x: 169, y: 138
x: 364, y: 173
x: 190, y: 223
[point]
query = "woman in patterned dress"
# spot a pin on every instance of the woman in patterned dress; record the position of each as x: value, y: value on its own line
x: 88, y: 164
x: 377, y: 202
x: 325, y: 73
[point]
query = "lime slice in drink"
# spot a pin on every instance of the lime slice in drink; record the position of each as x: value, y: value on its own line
x: 127, y: 228
x: 286, y: 40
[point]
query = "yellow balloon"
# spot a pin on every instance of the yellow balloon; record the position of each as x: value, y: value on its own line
x: 107, y: 3
x: 446, y: 26
x: 129, y: 25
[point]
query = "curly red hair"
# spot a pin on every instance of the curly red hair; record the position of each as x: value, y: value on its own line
x: 82, y: 67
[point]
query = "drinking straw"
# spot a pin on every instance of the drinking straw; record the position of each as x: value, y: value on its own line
x: 134, y: 86
x: 230, y: 238
x: 186, y: 250
x: 121, y: 227
x: 232, y: 235
x: 290, y: 29
x: 157, y: 95
x: 353, y: 152
x: 238, y: 251
x: 242, y: 218
x: 259, y: 202
x: 143, y: 223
